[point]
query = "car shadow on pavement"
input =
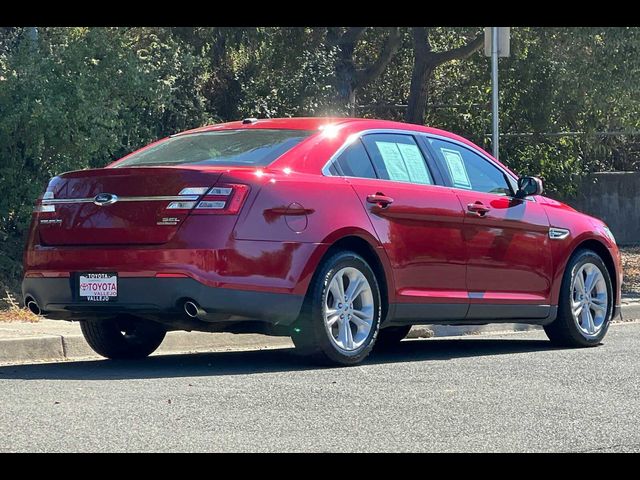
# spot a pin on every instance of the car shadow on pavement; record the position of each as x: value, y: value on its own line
x: 261, y: 361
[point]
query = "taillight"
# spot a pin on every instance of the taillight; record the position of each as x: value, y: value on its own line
x: 41, y: 205
x: 40, y: 208
x: 225, y: 199
x: 190, y: 196
x: 181, y: 205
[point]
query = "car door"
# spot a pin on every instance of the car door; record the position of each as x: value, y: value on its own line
x: 507, y: 241
x: 419, y: 224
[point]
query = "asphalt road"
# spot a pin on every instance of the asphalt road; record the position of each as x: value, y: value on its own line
x: 511, y: 392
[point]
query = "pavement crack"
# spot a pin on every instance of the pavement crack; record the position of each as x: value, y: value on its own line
x: 64, y: 347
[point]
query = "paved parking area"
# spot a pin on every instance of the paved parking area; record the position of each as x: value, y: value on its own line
x: 510, y: 392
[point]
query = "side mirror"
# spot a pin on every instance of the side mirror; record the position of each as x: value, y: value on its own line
x: 528, y: 186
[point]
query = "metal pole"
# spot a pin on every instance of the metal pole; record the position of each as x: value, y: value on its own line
x: 32, y: 32
x: 494, y: 89
x: 32, y: 38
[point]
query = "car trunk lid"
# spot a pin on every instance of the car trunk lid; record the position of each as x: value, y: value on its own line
x: 117, y: 206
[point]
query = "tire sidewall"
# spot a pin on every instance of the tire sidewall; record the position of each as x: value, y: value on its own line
x: 391, y: 336
x: 105, y: 338
x: 326, y: 274
x: 580, y: 259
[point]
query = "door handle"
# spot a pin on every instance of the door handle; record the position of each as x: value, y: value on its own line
x: 380, y: 200
x: 478, y: 208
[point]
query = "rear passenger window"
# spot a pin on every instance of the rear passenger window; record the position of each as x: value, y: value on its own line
x: 398, y: 157
x: 355, y: 162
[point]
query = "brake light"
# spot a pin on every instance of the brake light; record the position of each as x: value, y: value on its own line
x: 194, y: 191
x: 225, y: 199
x: 41, y: 206
x: 181, y: 205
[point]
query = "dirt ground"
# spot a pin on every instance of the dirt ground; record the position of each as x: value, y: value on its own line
x: 631, y: 268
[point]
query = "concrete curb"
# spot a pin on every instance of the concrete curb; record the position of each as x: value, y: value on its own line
x: 68, y: 347
x: 43, y: 347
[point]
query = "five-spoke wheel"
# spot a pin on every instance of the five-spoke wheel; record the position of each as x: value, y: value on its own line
x: 341, y: 316
x: 589, y: 299
x: 586, y: 302
x: 348, y: 309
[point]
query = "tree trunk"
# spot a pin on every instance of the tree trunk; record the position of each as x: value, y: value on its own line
x: 422, y: 69
x: 419, y: 91
x: 424, y: 64
x: 345, y: 70
x: 346, y: 84
x: 348, y: 78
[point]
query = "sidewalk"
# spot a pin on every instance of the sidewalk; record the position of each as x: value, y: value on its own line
x: 51, y: 340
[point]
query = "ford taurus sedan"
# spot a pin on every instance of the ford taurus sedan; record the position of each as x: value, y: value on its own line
x: 341, y: 233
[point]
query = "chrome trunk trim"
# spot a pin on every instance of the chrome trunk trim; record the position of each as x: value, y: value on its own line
x: 159, y: 198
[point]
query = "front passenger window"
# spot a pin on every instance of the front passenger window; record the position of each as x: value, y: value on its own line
x: 468, y: 170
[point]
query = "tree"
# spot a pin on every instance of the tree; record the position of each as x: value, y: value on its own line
x: 93, y: 94
x: 425, y: 62
x: 285, y: 72
x: 348, y: 77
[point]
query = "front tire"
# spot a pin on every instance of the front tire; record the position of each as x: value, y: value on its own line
x: 586, y: 303
x: 340, y: 319
x: 123, y: 337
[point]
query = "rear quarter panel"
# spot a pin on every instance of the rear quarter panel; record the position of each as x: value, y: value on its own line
x: 295, y: 218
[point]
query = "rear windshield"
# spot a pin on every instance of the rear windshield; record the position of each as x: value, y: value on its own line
x: 251, y: 147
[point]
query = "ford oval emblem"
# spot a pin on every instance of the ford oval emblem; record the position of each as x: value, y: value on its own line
x: 103, y: 199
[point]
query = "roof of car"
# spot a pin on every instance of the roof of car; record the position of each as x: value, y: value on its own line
x: 350, y: 124
x: 314, y: 123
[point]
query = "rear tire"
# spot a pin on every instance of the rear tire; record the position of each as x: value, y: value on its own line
x: 123, y: 337
x: 335, y: 326
x: 586, y: 303
x: 391, y: 336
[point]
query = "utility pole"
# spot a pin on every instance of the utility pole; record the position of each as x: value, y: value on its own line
x: 32, y: 33
x: 32, y: 38
x: 494, y: 92
x: 496, y: 44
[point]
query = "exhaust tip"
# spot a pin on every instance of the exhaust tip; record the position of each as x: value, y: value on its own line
x: 191, y: 309
x: 34, y: 307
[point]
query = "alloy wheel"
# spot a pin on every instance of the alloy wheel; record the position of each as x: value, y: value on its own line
x: 348, y: 309
x: 589, y: 300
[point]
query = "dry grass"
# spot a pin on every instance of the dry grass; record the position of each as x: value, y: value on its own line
x: 14, y: 312
x: 631, y: 269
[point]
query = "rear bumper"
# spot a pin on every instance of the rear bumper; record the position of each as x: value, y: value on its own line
x: 163, y: 297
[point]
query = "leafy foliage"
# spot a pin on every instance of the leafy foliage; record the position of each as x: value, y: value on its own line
x: 81, y: 97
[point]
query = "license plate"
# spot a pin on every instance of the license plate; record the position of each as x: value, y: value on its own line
x: 98, y: 287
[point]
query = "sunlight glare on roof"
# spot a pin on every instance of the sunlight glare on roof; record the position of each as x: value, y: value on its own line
x: 329, y: 131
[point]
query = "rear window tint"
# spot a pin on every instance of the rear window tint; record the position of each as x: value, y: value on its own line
x: 250, y: 147
x: 355, y: 162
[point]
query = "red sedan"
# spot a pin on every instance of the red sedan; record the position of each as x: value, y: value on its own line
x: 338, y: 232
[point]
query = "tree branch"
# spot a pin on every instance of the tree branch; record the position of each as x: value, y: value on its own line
x: 459, y: 53
x: 352, y: 35
x: 349, y: 37
x: 388, y: 52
